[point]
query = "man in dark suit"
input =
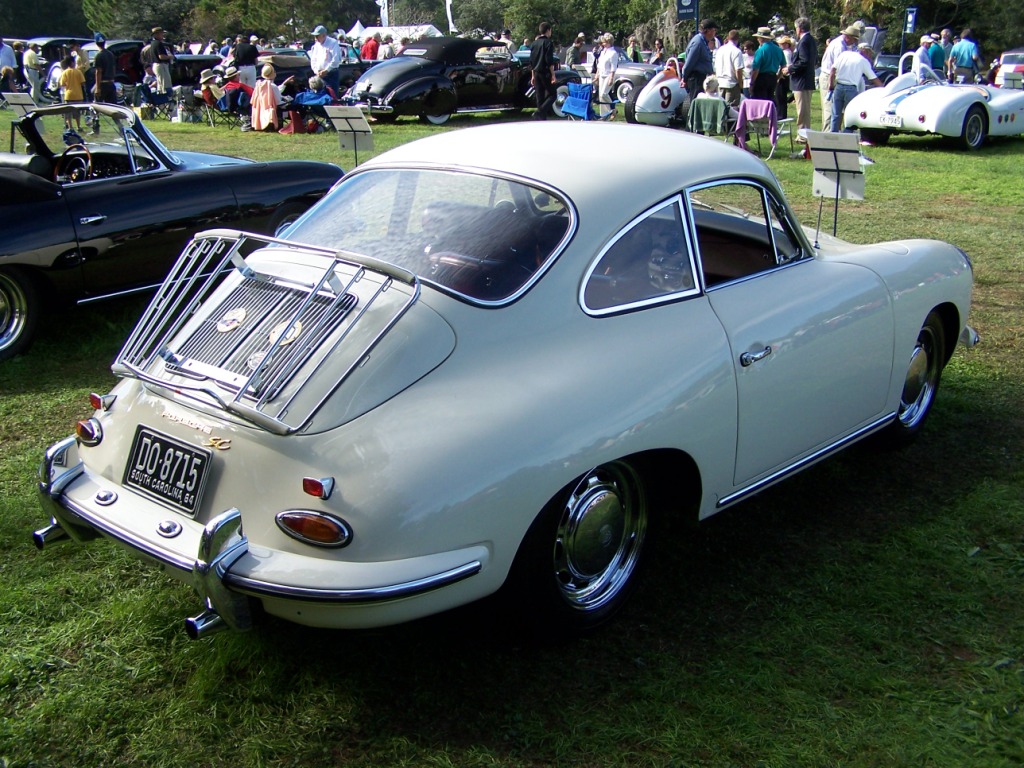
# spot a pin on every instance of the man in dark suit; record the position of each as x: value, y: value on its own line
x: 801, y: 72
x: 542, y: 64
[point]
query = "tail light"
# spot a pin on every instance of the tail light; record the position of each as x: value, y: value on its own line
x: 317, y: 528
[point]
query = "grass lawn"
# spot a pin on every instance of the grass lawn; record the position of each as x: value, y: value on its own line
x: 869, y: 612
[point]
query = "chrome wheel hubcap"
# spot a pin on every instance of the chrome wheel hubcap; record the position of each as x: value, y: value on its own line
x: 13, y: 311
x: 600, y: 536
x: 919, y: 386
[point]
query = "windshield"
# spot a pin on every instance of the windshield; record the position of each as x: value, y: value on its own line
x: 109, y: 133
x: 482, y: 237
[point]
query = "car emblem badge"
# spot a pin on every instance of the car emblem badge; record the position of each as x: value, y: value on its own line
x: 220, y: 443
x: 255, y: 360
x: 289, y: 337
x: 231, y: 320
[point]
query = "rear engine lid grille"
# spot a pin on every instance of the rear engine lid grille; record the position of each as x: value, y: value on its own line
x: 269, y: 346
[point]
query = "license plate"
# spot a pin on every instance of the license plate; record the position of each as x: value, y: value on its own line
x: 893, y: 121
x: 167, y: 470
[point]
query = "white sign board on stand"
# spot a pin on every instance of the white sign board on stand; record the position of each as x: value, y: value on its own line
x: 837, y: 165
x: 354, y: 132
x: 21, y: 103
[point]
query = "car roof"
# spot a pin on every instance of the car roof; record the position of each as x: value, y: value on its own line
x: 643, y: 164
x: 455, y: 50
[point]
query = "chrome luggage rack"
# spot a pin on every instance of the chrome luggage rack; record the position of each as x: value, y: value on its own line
x: 285, y: 326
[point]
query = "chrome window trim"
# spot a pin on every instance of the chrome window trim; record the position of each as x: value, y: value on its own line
x: 767, y: 198
x: 665, y: 298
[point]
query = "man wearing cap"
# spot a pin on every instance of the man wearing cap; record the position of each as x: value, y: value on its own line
x: 245, y: 59
x: 847, y: 41
x: 325, y: 58
x: 162, y: 57
x: 506, y: 40
x: 922, y: 62
x: 699, y: 62
x: 104, y: 68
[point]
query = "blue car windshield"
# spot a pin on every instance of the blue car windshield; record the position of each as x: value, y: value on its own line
x: 483, y: 238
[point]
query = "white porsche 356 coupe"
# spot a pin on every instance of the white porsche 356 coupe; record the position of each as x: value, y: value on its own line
x: 966, y: 111
x: 470, y: 371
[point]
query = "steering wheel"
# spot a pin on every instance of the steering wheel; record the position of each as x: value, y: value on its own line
x: 78, y: 168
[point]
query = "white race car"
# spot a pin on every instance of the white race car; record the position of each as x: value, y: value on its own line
x: 663, y: 101
x: 966, y: 111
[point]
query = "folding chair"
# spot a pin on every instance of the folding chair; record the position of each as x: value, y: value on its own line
x: 577, y: 106
x: 759, y: 117
x: 708, y: 116
x: 231, y: 109
x: 160, y: 104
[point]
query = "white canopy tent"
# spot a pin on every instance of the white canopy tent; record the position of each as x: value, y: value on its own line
x: 356, y: 31
x: 412, y: 32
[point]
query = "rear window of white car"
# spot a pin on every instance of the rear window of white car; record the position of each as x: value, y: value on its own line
x: 483, y: 238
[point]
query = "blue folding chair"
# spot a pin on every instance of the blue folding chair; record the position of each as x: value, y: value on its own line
x: 577, y: 106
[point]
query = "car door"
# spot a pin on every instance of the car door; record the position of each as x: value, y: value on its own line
x: 133, y: 226
x: 811, y: 340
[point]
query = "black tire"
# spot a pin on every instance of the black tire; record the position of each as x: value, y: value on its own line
x: 876, y: 136
x: 19, y: 311
x: 580, y: 560
x: 975, y: 129
x: 629, y: 107
x: 284, y: 216
x: 921, y: 384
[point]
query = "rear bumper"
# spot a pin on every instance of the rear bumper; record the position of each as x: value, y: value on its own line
x: 227, y: 572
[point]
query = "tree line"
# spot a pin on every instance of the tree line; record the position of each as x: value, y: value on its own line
x: 995, y: 22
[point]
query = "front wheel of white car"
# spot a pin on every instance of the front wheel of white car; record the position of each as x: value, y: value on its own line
x: 972, y: 136
x: 622, y: 91
x: 580, y: 559
x: 629, y: 105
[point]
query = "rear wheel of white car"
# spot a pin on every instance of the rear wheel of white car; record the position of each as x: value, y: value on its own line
x: 921, y: 383
x: 580, y: 560
x: 877, y: 137
x: 19, y: 311
x: 629, y: 105
x: 975, y: 128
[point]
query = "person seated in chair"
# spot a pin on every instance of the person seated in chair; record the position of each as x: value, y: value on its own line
x: 266, y: 99
x: 211, y: 92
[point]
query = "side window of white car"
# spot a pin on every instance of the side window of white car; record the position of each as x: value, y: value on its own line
x: 647, y: 262
x: 736, y: 236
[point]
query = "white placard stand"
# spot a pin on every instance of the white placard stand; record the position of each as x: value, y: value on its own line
x: 354, y: 132
x: 21, y: 103
x: 837, y: 169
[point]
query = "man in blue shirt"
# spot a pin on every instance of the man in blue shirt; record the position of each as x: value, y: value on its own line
x: 698, y: 60
x: 768, y: 60
x: 964, y: 59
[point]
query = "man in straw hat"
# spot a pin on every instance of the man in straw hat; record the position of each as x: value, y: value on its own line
x: 847, y: 41
x: 768, y: 60
x: 162, y: 56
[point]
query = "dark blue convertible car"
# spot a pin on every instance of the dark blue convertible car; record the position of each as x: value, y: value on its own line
x: 102, y: 208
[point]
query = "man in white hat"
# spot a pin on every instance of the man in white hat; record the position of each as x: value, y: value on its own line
x: 922, y: 63
x: 846, y: 41
x: 325, y: 58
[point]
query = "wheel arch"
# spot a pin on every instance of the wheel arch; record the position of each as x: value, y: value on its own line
x: 950, y: 317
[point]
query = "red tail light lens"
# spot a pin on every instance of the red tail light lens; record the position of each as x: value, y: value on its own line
x: 315, y: 528
x: 321, y: 487
x: 101, y: 402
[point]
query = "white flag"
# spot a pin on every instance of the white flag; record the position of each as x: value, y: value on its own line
x: 451, y: 24
x: 383, y: 13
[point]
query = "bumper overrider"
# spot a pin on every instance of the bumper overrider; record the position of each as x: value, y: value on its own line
x: 369, y: 105
x: 227, y: 590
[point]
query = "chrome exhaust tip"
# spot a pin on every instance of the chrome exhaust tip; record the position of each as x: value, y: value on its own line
x: 206, y: 623
x: 48, y: 535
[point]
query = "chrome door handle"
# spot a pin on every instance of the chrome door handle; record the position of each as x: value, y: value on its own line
x: 92, y: 219
x: 749, y: 358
